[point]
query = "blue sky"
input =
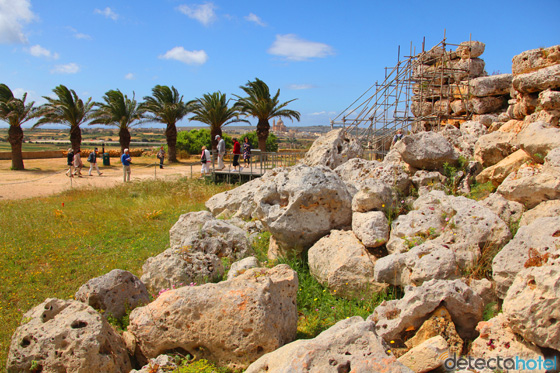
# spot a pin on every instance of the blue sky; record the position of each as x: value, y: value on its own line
x: 324, y: 53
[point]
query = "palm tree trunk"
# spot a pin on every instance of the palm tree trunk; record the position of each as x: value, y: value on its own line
x: 263, y: 128
x: 124, y: 139
x: 15, y: 137
x: 171, y: 135
x: 76, y: 137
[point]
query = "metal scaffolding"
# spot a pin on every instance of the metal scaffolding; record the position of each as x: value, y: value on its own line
x: 416, y: 95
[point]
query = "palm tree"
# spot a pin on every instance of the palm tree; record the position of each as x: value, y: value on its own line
x: 15, y: 112
x: 118, y: 110
x: 212, y: 109
x: 67, y: 109
x: 260, y: 105
x: 166, y: 106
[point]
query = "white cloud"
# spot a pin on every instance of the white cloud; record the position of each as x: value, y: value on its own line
x: 13, y: 14
x: 185, y: 56
x: 318, y: 113
x: 108, y: 13
x: 130, y: 76
x: 38, y: 51
x: 293, y: 48
x: 82, y: 36
x: 70, y: 68
x: 301, y: 86
x: 256, y: 19
x: 202, y: 13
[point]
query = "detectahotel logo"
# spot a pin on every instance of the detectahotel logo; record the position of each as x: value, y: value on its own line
x: 496, y: 363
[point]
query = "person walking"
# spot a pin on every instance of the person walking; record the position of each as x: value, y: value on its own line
x: 221, y: 152
x: 398, y: 136
x: 161, y: 156
x: 246, y: 152
x: 126, y: 161
x: 236, y: 155
x: 70, y: 163
x: 205, y: 161
x: 92, y: 159
x: 78, y: 164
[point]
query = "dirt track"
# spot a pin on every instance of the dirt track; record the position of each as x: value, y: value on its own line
x: 43, y: 177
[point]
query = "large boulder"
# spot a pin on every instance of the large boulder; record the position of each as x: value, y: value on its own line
x: 238, y: 202
x: 495, y: 85
x: 201, y: 232
x: 546, y: 209
x: 422, y: 263
x: 496, y: 339
x: 241, y: 266
x: 232, y: 323
x: 470, y: 49
x: 341, y: 263
x: 532, y: 305
x: 115, y: 293
x: 373, y: 194
x: 301, y: 204
x: 485, y: 105
x: 540, y: 80
x: 394, y: 317
x: 425, y: 181
x: 426, y: 150
x: 333, y: 149
x: 498, y: 172
x: 549, y: 100
x: 350, y: 345
x: 535, y: 59
x: 509, y: 211
x: 467, y: 68
x: 493, y: 147
x: 461, y: 224
x: 66, y: 336
x: 538, y: 139
x: 532, y: 243
x: 372, y: 228
x: 426, y: 356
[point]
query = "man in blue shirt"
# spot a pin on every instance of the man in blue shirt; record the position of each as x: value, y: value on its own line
x: 126, y: 161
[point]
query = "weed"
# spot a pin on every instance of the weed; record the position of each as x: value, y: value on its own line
x: 480, y: 191
x: 491, y: 310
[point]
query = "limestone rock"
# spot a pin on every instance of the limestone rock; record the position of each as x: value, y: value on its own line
x: 350, y: 345
x: 373, y: 194
x: 538, y: 139
x: 540, y: 80
x: 497, y: 339
x: 426, y: 356
x: 485, y: 289
x: 238, y: 202
x: 509, y: 211
x: 513, y: 126
x: 392, y: 318
x: 487, y: 119
x: 470, y: 49
x: 115, y: 293
x: 485, y: 105
x: 231, y: 323
x: 372, y: 228
x: 495, y: 85
x: 546, y: 209
x: 425, y: 181
x: 552, y: 160
x: 549, y: 100
x: 422, y: 263
x: 301, y: 204
x: 498, y: 172
x: 532, y: 305
x: 341, y: 263
x: 161, y: 364
x: 474, y: 128
x: 241, y: 266
x: 333, y: 149
x: 201, y: 232
x: 66, y: 336
x: 354, y: 172
x: 176, y: 267
x: 467, y: 68
x: 535, y: 59
x: 531, y: 185
x: 493, y: 147
x: 426, y: 150
x: 533, y: 243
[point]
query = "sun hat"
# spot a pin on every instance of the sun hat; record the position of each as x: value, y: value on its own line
x: 217, y: 137
x: 126, y: 150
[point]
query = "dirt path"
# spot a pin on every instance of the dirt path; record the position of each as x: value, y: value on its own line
x: 43, y: 177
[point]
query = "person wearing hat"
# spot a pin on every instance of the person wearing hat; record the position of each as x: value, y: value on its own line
x: 92, y: 159
x: 126, y: 161
x: 221, y: 152
x: 70, y: 162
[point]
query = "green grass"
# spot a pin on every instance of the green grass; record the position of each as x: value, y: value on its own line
x: 51, y: 246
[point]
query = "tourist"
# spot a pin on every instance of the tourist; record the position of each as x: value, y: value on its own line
x: 236, y: 155
x: 92, y: 159
x: 398, y: 136
x: 221, y: 152
x: 78, y: 164
x: 126, y: 161
x: 205, y: 161
x: 246, y: 152
x: 161, y: 156
x: 70, y: 162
